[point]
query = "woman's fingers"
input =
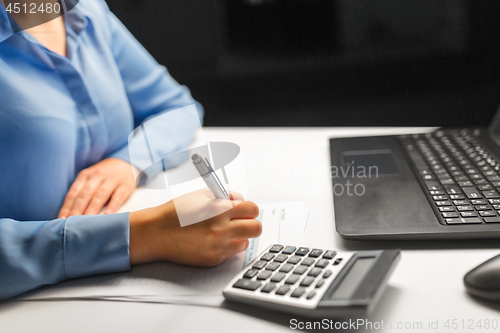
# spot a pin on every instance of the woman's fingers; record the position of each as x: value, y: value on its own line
x: 120, y: 195
x: 244, y: 210
x: 85, y: 195
x: 244, y: 229
x: 235, y: 246
x: 101, y: 196
x: 73, y: 192
x: 235, y: 196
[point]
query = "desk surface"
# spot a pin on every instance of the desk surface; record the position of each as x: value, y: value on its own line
x: 425, y: 287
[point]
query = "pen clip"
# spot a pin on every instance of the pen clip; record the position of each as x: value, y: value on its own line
x: 217, y: 178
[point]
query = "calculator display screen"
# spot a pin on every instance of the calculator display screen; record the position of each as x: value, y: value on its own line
x: 352, y: 279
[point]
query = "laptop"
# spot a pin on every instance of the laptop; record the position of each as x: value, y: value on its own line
x: 439, y: 185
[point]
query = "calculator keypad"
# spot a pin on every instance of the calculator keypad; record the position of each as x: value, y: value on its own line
x: 290, y: 275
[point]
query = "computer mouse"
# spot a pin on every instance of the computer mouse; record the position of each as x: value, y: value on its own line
x: 484, y: 280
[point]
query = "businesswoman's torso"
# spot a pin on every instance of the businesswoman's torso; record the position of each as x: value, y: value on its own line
x: 58, y: 115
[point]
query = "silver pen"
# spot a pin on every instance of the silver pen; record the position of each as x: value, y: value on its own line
x: 210, y: 177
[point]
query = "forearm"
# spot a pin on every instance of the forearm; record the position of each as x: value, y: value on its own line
x: 33, y: 254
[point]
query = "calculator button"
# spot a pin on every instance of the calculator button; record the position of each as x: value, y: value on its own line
x: 315, y: 271
x: 327, y: 274
x: 300, y: 270
x: 298, y: 292
x: 273, y: 266
x: 275, y: 248
x: 264, y: 275
x: 306, y: 282
x: 278, y: 277
x: 293, y: 260
x: 322, y: 263
x: 329, y: 254
x: 307, y: 262
x: 282, y: 290
x: 260, y: 264
x: 247, y: 284
x: 289, y: 250
x: 336, y: 262
x: 268, y: 287
x: 251, y: 273
x: 281, y: 258
x: 302, y: 251
x: 315, y: 253
x: 311, y: 294
x: 320, y: 283
x: 292, y: 279
x: 267, y: 257
x: 286, y: 268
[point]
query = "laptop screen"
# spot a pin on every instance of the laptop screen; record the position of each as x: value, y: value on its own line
x: 494, y: 127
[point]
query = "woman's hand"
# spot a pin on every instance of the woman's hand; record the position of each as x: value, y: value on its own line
x: 110, y: 180
x: 156, y: 234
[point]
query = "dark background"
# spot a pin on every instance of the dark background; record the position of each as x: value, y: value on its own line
x: 325, y: 62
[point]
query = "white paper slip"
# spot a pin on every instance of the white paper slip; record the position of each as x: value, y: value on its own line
x: 281, y: 222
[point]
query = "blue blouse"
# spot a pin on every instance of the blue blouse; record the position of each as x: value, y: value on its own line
x: 59, y: 115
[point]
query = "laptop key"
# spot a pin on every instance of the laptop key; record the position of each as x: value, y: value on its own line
x: 450, y: 214
x: 468, y: 214
x: 463, y: 220
x: 447, y: 209
x: 439, y: 197
x: 495, y: 219
x: 436, y: 192
x: 466, y: 183
x: 494, y: 201
x: 491, y: 194
x: 496, y: 207
x: 452, y: 189
x: 456, y: 197
x: 488, y: 213
x: 482, y: 207
x: 472, y: 193
x: 461, y: 202
x: 432, y: 185
x: 485, y: 187
x: 443, y: 203
x: 464, y: 208
x: 479, y: 202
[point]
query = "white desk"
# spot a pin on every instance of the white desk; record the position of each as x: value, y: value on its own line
x: 288, y: 164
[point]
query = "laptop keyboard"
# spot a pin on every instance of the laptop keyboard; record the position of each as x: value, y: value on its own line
x: 461, y: 177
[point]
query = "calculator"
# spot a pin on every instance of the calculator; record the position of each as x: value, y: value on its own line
x: 313, y: 282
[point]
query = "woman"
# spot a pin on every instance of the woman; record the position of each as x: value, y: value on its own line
x: 71, y: 92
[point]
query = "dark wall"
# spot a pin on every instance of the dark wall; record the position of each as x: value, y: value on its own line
x: 328, y: 63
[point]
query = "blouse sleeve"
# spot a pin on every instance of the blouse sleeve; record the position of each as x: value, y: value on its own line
x: 152, y: 92
x: 33, y: 254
